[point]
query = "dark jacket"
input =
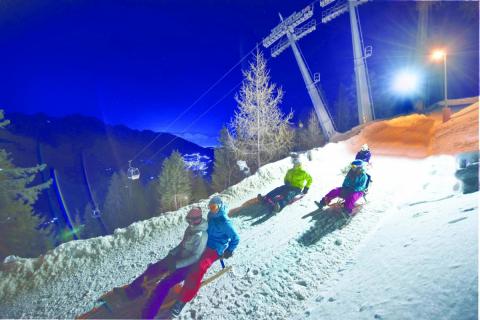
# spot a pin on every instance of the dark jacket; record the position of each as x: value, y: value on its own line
x: 192, y: 246
x: 363, y: 155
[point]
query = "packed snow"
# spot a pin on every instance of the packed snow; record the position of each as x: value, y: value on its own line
x: 411, y: 253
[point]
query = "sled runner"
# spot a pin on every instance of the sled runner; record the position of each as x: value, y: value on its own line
x: 116, y: 305
x: 336, y: 208
x: 272, y: 203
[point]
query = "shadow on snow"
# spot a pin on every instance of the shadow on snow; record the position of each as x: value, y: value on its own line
x: 257, y: 211
x: 326, y: 221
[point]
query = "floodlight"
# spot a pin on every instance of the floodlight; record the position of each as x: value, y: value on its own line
x: 406, y: 82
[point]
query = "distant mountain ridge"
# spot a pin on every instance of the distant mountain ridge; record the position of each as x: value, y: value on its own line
x: 62, y: 142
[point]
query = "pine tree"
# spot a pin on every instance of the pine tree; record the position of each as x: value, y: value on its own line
x: 115, y: 212
x: 310, y: 136
x: 225, y: 170
x: 199, y: 187
x: 261, y: 129
x: 315, y: 136
x: 93, y: 225
x: 17, y: 197
x: 345, y: 108
x: 174, y: 184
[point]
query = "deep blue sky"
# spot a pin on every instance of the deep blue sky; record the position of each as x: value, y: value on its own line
x: 142, y: 62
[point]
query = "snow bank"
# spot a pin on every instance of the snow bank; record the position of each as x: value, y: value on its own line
x: 19, y: 275
x: 282, y: 262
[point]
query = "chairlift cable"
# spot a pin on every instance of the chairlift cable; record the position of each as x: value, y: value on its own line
x: 204, y: 113
x: 194, y: 103
x: 198, y: 118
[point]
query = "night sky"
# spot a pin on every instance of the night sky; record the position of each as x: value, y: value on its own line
x: 143, y: 62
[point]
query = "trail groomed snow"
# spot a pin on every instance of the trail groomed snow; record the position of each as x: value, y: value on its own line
x: 281, y: 264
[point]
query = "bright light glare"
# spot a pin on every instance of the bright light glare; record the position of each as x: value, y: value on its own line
x: 438, y: 54
x: 406, y: 82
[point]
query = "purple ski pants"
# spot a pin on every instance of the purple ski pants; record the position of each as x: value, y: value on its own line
x: 349, y: 198
x: 161, y: 291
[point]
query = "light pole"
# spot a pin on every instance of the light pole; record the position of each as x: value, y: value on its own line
x: 437, y: 55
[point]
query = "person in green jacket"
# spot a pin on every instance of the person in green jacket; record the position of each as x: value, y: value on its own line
x: 297, y: 181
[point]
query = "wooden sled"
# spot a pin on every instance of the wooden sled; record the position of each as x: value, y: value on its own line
x: 116, y: 305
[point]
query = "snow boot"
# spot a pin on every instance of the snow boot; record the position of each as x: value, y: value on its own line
x: 176, y: 309
x: 260, y: 198
x: 320, y: 204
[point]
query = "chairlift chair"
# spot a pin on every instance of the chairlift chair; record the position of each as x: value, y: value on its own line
x: 368, y: 51
x: 96, y: 213
x: 132, y: 172
x: 316, y: 77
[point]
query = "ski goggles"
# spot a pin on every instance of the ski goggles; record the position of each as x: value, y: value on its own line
x: 196, y: 220
x: 213, y: 207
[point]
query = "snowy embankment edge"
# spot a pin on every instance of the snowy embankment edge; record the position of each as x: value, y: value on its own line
x: 18, y: 275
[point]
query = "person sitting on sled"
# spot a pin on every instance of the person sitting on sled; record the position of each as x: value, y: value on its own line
x: 364, y: 154
x: 222, y: 241
x: 178, y: 263
x: 352, y: 189
x: 296, y: 181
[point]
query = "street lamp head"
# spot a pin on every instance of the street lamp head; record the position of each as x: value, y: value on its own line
x: 438, y: 54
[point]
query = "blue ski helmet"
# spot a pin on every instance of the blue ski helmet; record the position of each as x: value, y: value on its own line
x: 357, y: 164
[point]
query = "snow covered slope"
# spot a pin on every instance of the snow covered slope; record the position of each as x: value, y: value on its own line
x: 284, y: 262
x: 420, y: 264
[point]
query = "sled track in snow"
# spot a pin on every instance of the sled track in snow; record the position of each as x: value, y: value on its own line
x: 282, y: 271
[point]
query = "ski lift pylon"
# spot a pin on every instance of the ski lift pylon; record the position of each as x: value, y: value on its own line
x: 132, y: 172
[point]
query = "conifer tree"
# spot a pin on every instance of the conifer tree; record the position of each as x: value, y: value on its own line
x: 125, y: 202
x: 314, y: 136
x: 174, y: 188
x: 225, y: 170
x: 199, y: 187
x: 93, y: 224
x: 345, y: 108
x: 17, y: 197
x: 115, y: 211
x: 261, y: 129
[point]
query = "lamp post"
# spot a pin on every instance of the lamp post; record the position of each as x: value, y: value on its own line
x: 437, y: 55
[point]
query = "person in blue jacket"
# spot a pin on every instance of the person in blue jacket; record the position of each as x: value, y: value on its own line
x: 222, y: 241
x: 352, y: 189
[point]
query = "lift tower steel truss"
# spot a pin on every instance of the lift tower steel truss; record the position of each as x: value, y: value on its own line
x: 291, y: 29
x: 364, y: 97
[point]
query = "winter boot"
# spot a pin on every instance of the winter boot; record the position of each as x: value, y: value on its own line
x: 176, y: 309
x: 260, y: 198
x: 321, y: 204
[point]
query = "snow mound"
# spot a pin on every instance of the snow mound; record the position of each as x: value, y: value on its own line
x: 419, y: 135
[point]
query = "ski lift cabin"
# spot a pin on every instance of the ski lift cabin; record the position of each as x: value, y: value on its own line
x: 132, y: 172
x: 96, y: 213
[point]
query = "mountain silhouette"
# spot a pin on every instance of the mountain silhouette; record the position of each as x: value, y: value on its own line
x: 61, y: 143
